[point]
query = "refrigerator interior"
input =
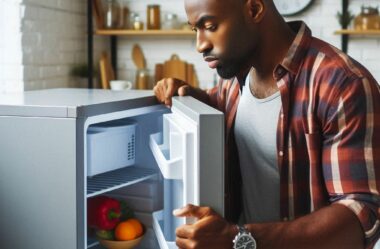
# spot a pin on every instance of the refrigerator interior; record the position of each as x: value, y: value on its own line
x: 139, y: 184
x: 179, y: 155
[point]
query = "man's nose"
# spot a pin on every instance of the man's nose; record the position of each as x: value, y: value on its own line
x: 203, y: 44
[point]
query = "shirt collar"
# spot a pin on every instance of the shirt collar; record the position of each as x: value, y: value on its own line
x: 297, y: 50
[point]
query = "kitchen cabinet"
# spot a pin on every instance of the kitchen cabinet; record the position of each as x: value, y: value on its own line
x: 114, y: 34
x: 44, y: 160
x: 346, y: 33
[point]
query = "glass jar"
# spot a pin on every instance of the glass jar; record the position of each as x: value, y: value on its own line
x: 135, y: 22
x: 153, y: 17
x: 142, y: 79
x: 113, y: 17
x: 170, y: 22
x: 368, y: 19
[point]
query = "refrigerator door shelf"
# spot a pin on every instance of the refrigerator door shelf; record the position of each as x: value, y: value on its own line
x: 170, y: 168
x: 174, y: 150
x: 158, y: 226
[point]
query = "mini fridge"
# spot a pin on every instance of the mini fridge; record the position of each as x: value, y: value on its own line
x: 60, y: 147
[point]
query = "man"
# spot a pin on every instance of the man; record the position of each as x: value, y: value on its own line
x: 303, y: 120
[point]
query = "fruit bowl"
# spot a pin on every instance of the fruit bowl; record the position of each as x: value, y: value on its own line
x: 115, y: 244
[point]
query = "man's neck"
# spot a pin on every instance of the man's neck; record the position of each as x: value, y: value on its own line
x: 274, y: 46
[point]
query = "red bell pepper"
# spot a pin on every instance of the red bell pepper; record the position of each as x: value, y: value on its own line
x: 103, y: 212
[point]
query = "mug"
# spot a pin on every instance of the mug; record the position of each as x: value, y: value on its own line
x: 119, y: 85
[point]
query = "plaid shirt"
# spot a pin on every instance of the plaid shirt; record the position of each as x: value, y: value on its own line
x: 328, y: 134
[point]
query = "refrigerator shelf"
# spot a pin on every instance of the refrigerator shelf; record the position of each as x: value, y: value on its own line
x: 112, y: 180
x: 91, y: 242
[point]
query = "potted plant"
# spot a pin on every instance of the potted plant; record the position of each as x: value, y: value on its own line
x: 80, y: 73
x: 345, y: 18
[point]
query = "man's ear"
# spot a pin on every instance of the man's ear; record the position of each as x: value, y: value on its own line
x: 256, y: 9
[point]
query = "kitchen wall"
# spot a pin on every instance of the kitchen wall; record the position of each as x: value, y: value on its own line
x: 320, y: 17
x: 11, y: 69
x: 44, y: 38
x: 53, y: 39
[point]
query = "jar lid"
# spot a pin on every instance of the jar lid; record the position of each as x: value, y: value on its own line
x: 369, y: 10
x: 153, y: 5
x: 171, y: 16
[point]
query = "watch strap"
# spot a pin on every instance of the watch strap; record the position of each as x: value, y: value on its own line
x: 242, y: 229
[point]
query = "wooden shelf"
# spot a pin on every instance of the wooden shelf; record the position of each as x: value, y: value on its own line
x: 375, y: 32
x: 126, y: 32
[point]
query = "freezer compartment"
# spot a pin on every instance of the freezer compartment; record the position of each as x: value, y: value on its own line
x: 110, y: 146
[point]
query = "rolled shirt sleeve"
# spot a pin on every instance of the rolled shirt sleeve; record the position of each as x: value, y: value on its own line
x: 352, y: 155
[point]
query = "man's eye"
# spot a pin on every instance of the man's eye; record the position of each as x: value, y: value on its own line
x: 211, y: 27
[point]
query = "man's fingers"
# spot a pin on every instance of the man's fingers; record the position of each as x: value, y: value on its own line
x: 184, y: 90
x: 170, y: 88
x: 192, y: 211
x: 185, y: 231
x: 184, y: 243
x: 166, y: 88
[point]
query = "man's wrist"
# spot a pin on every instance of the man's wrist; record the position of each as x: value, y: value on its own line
x: 233, y: 231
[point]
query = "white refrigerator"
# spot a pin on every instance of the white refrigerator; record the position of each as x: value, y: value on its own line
x: 60, y: 147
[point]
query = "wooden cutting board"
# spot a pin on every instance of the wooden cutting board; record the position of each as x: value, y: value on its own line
x: 175, y: 68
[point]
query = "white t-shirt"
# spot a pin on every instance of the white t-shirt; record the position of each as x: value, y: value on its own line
x: 255, y: 134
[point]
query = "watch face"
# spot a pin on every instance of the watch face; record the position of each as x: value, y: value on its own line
x: 245, y: 241
x: 291, y: 7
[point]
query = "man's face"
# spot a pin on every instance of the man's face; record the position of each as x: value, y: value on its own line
x: 223, y: 34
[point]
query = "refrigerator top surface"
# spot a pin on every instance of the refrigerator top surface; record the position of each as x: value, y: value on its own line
x: 70, y: 102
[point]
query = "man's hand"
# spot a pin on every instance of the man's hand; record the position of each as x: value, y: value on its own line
x: 210, y: 231
x: 166, y: 88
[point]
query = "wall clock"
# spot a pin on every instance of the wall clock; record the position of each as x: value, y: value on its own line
x: 292, y: 7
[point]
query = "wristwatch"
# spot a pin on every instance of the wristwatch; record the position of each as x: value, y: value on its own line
x: 244, y: 239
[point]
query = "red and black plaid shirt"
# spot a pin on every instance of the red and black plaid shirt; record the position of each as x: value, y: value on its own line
x: 328, y: 134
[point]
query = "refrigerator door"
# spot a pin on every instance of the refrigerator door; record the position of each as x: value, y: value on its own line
x: 190, y: 155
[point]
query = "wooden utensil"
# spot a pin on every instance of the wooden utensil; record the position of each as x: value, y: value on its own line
x: 106, y: 71
x: 138, y: 57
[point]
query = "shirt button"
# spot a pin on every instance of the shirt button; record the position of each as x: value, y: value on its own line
x: 285, y: 219
x: 280, y: 72
x: 281, y: 153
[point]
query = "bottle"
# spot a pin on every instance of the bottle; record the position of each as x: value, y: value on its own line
x: 153, y: 16
x: 112, y: 15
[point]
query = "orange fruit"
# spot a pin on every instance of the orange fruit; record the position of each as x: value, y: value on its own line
x: 137, y: 226
x: 128, y: 230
